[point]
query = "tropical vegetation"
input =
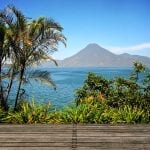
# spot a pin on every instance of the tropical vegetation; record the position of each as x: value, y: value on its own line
x: 99, y: 100
x: 25, y: 42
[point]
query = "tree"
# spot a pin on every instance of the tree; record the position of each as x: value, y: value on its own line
x: 30, y: 41
x: 138, y: 68
x: 2, y: 55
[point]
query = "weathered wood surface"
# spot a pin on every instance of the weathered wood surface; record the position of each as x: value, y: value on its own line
x: 74, y: 137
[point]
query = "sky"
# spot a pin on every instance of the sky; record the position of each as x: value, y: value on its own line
x: 121, y: 26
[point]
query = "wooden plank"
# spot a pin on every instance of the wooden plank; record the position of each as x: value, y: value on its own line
x: 61, y: 132
x: 34, y: 128
x: 40, y: 137
x: 114, y: 134
x: 138, y: 140
x: 74, y: 137
x: 36, y: 144
x: 114, y: 127
x: 35, y: 148
x: 36, y: 139
x: 104, y: 146
x: 114, y: 130
x: 33, y: 135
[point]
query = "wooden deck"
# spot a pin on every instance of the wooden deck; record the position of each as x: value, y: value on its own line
x: 74, y: 137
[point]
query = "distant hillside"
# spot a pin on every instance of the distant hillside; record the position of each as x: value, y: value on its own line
x: 93, y: 55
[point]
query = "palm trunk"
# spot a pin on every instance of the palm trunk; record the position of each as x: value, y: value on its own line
x: 3, y: 102
x: 2, y: 39
x: 2, y: 99
x: 10, y: 85
x: 19, y: 86
x: 137, y: 76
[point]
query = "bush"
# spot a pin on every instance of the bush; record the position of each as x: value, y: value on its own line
x: 129, y: 115
x: 95, y: 87
x: 29, y: 113
x: 127, y: 100
x: 2, y: 115
x: 120, y: 91
x: 100, y: 113
x: 83, y: 113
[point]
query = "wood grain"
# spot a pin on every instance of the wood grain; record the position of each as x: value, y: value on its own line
x: 74, y: 137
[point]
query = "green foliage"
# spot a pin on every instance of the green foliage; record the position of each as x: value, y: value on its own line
x: 25, y: 43
x: 2, y: 114
x: 96, y: 86
x: 83, y: 113
x: 126, y: 100
x: 100, y: 101
x: 127, y: 114
x: 55, y: 117
x: 138, y: 68
x: 28, y: 113
x: 118, y: 92
x: 100, y: 113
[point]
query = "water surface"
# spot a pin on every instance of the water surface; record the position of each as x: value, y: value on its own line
x: 67, y: 81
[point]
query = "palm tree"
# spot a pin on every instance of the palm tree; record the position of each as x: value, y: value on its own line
x: 138, y: 68
x: 31, y: 41
x: 2, y: 55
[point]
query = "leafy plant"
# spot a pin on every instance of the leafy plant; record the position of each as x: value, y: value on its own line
x: 29, y: 113
x: 118, y: 92
x: 83, y: 113
x: 127, y: 114
x: 2, y: 114
x: 94, y: 86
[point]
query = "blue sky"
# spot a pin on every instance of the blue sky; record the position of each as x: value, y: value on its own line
x: 121, y: 26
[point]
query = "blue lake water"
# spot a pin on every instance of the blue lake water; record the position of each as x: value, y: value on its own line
x: 67, y: 81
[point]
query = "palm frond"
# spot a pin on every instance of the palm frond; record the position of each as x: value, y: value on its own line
x: 20, y: 18
x: 2, y: 34
x: 51, y: 24
x: 43, y: 76
x: 7, y: 17
x: 53, y: 60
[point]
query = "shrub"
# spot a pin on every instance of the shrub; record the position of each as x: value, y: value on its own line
x: 83, y: 113
x: 120, y: 91
x: 94, y: 86
x: 29, y: 113
x: 129, y: 115
x: 2, y: 115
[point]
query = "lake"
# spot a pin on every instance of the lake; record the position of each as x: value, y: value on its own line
x: 67, y: 81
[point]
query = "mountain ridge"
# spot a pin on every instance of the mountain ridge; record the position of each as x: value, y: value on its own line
x: 94, y: 55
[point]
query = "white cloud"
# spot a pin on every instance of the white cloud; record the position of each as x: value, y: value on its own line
x: 129, y: 49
